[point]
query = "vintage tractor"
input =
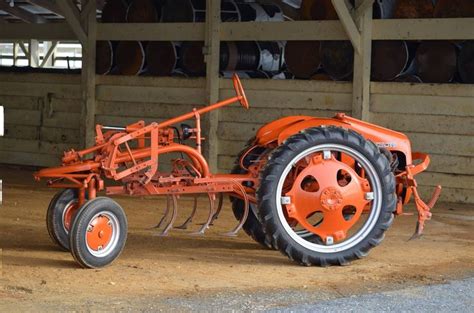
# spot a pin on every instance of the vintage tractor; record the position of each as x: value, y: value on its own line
x: 321, y: 190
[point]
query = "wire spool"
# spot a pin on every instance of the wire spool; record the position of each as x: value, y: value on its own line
x: 407, y: 78
x: 144, y: 11
x: 337, y: 59
x: 162, y: 57
x: 239, y: 56
x: 436, y: 61
x: 318, y: 10
x: 130, y: 58
x: 192, y: 58
x: 454, y: 8
x: 272, y: 57
x: 321, y: 77
x: 104, y: 57
x: 259, y: 12
x: 466, y: 62
x: 303, y: 58
x: 188, y: 11
x: 391, y: 59
x: 114, y: 11
x: 414, y: 9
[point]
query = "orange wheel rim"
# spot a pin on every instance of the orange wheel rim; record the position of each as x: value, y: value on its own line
x: 71, y: 209
x: 330, y: 188
x: 99, y: 233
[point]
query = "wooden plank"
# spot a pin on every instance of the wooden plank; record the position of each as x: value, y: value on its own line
x: 150, y: 81
x: 294, y: 99
x: 426, y: 29
x: 434, y: 124
x: 19, y: 102
x: 226, y: 163
x: 265, y: 115
x: 151, y: 94
x: 60, y: 135
x: 29, y: 158
x: 41, y: 78
x: 232, y: 147
x: 442, y: 144
x: 142, y: 110
x: 237, y: 131
x: 416, y: 104
x: 21, y: 131
x: 441, y: 163
x: 64, y: 120
x: 288, y: 30
x: 48, y: 31
x: 39, y: 89
x: 446, y: 180
x: 454, y: 90
x: 151, y: 32
x: 290, y: 85
x: 35, y: 146
x: 448, y: 195
x: 23, y: 117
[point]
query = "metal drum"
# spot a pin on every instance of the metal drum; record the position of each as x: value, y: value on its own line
x: 104, y: 57
x: 188, y: 11
x: 251, y: 56
x: 324, y: 10
x: 454, y: 8
x: 436, y: 61
x: 414, y: 9
x: 130, y: 58
x: 259, y: 12
x: 408, y: 79
x: 466, y: 62
x: 114, y: 11
x: 144, y: 11
x: 192, y: 58
x: 392, y: 58
x: 162, y: 57
x: 303, y: 58
x: 337, y: 58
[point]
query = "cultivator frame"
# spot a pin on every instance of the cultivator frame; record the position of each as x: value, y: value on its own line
x: 131, y: 155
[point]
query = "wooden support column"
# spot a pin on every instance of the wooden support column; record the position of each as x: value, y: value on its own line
x: 33, y: 53
x: 88, y: 81
x: 362, y: 61
x: 212, y: 53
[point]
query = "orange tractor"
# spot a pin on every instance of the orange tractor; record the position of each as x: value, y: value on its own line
x: 321, y: 190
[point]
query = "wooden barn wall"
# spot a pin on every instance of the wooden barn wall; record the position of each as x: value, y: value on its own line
x: 42, y: 117
x: 439, y: 120
x: 270, y: 100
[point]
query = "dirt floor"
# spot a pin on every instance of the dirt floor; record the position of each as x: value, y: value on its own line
x: 35, y: 275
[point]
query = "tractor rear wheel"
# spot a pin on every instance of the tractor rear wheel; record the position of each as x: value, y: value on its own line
x: 326, y: 197
x: 252, y: 225
x: 61, y: 212
x: 98, y: 233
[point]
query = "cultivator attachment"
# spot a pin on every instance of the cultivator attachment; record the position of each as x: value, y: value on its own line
x: 314, y: 188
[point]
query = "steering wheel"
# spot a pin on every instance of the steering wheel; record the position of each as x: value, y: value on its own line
x: 239, y: 90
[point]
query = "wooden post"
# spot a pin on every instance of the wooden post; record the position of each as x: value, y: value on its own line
x: 212, y: 53
x: 88, y: 82
x: 362, y: 62
x: 33, y: 53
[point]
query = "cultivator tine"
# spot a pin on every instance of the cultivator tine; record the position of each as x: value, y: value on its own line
x: 165, y: 215
x: 219, y: 208
x: 190, y: 218
x: 234, y: 232
x: 172, y: 219
x: 205, y: 226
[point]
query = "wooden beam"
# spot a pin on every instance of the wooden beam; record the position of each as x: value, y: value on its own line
x: 212, y: 53
x: 33, y: 53
x: 362, y: 64
x: 22, y: 14
x: 72, y: 15
x: 362, y: 7
x: 23, y: 48
x: 348, y: 23
x: 49, y: 5
x: 49, y: 53
x: 147, y: 31
x: 88, y: 79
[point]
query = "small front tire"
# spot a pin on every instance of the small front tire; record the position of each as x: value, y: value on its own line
x: 99, y: 233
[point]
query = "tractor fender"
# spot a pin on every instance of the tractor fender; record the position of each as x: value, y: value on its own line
x: 382, y: 137
x: 270, y: 132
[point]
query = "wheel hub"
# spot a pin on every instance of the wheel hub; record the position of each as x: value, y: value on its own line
x: 99, y: 233
x: 331, y: 199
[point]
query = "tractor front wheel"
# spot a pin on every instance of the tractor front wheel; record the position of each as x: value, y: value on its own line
x: 61, y: 212
x: 326, y: 197
x: 98, y: 233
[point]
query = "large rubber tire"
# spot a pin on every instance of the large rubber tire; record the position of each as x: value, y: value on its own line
x: 252, y: 225
x: 55, y: 217
x: 81, y: 250
x: 281, y: 157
